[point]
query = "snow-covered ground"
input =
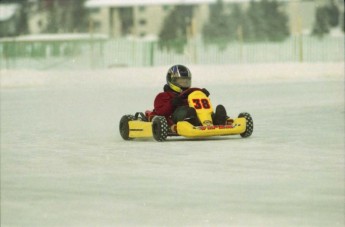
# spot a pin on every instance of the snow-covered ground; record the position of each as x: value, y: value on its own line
x: 63, y: 162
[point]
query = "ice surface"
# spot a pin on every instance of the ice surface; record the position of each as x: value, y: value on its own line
x: 63, y: 162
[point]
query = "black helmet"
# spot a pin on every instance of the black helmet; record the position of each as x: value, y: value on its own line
x: 179, y: 78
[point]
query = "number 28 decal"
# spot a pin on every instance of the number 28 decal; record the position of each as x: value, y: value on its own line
x: 201, y: 103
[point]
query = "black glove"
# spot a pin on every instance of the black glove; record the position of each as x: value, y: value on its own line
x: 205, y: 91
x: 177, y: 101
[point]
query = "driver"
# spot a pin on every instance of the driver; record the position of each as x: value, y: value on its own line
x: 175, y: 108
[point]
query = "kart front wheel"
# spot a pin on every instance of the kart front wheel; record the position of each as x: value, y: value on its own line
x: 124, y: 126
x: 159, y: 128
x: 249, y: 124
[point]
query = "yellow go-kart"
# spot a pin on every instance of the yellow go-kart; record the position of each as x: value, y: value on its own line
x: 148, y: 125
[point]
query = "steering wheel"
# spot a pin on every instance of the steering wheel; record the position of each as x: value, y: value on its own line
x: 187, y: 92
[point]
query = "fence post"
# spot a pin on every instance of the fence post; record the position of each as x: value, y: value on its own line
x: 240, y: 39
x: 300, y: 48
x: 151, y: 53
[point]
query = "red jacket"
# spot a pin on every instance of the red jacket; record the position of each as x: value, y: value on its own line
x: 163, y: 105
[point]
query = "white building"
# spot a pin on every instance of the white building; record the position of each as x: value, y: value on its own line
x: 148, y: 15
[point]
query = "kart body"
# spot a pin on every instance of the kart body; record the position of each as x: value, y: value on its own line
x: 149, y: 125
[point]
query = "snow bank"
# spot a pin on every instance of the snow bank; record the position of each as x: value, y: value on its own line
x: 155, y: 76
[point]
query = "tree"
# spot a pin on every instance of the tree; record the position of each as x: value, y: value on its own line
x: 126, y: 18
x: 333, y: 14
x: 173, y: 36
x: 275, y: 21
x: 23, y: 26
x: 262, y: 21
x: 266, y: 22
x: 326, y: 17
x: 79, y: 16
x: 321, y: 25
x: 237, y: 23
x: 256, y: 23
x: 66, y: 16
x: 218, y: 30
x: 343, y: 23
x: 53, y: 16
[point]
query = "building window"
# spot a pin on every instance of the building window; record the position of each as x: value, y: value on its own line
x: 142, y: 22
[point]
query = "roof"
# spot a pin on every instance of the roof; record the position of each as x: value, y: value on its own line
x: 7, y: 11
x: 55, y: 37
x: 114, y: 3
x: 107, y: 3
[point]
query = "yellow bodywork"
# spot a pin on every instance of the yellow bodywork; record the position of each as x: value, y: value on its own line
x: 140, y: 129
x: 202, y: 105
x: 186, y: 129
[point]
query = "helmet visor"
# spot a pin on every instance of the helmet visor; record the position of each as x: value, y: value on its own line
x: 183, y: 82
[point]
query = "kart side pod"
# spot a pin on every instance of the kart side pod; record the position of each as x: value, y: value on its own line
x: 184, y: 128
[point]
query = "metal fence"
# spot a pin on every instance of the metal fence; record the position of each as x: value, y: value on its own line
x: 101, y: 53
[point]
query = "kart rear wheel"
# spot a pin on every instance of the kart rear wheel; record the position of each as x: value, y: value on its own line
x: 249, y: 125
x: 159, y: 128
x: 124, y: 127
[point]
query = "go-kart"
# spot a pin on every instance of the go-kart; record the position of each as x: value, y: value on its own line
x: 148, y: 125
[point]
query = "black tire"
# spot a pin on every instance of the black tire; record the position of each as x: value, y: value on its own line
x: 250, y: 125
x: 159, y: 128
x: 124, y: 127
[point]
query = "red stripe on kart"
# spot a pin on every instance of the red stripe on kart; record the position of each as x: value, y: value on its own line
x: 212, y: 127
